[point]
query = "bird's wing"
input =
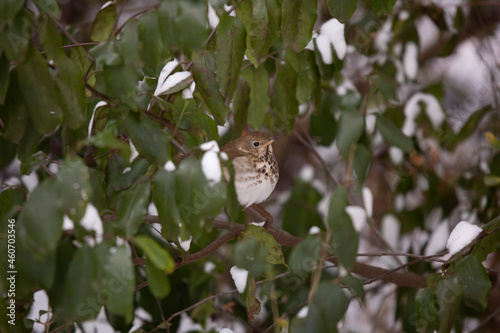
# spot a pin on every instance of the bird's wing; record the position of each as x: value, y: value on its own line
x: 231, y: 151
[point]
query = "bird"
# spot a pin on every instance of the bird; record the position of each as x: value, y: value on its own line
x: 255, y: 167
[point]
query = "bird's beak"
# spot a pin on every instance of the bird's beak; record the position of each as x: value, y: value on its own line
x: 271, y: 140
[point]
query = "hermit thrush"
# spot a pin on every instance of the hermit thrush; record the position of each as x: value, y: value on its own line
x: 255, y: 167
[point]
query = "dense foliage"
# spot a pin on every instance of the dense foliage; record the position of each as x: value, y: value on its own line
x: 104, y: 119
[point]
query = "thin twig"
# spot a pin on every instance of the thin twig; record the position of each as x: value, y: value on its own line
x: 47, y: 170
x: 288, y: 313
x: 319, y: 270
x: 486, y: 320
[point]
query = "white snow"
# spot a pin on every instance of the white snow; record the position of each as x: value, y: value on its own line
x: 396, y: 155
x: 399, y: 202
x: 357, y: 215
x: 165, y: 72
x: 384, y: 36
x: 210, y: 146
x: 307, y: 173
x: 314, y: 230
x: 412, y: 110
x: 303, y: 312
x: 322, y: 206
x: 12, y: 181
x: 208, y: 267
x: 92, y: 221
x: 210, y: 165
x: 133, y: 152
x: 461, y: 236
x: 152, y: 210
x: 226, y: 330
x: 390, y: 229
x: 258, y: 224
x: 169, y: 166
x: 67, y: 223
x: 239, y: 276
x: 438, y: 238
x: 40, y: 303
x: 171, y: 82
x: 106, y: 4
x: 213, y: 19
x: 331, y: 33
x: 54, y: 168
x: 127, y: 169
x: 367, y: 195
x: 185, y: 244
x: 30, y: 181
x: 410, y: 60
x: 91, y: 123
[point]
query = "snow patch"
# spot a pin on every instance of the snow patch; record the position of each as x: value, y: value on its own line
x: 30, y: 181
x: 133, y: 152
x: 127, y: 169
x: 213, y: 19
x: 303, y: 312
x: 357, y: 215
x: 438, y: 239
x: 169, y: 166
x: 367, y: 200
x: 171, y: 82
x: 210, y: 146
x: 208, y: 267
x: 314, y: 230
x: 91, y: 123
x: 396, y: 155
x: 390, y: 229
x: 210, y: 165
x: 461, y: 236
x: 239, y: 276
x: 412, y: 110
x: 410, y: 60
x: 91, y: 221
x: 152, y: 210
x: 185, y: 244
x: 68, y: 223
x: 331, y: 33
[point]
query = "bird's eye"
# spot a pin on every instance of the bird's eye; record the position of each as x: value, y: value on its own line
x: 255, y: 143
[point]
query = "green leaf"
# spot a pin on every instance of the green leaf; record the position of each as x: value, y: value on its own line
x: 266, y: 240
x: 155, y: 253
x: 41, y: 238
x: 342, y: 10
x: 323, y: 124
x: 284, y: 99
x: 336, y: 207
x: 488, y: 244
x: 297, y: 23
x: 327, y: 308
x: 345, y: 239
x: 304, y: 257
x: 106, y: 53
x: 351, y: 127
x: 425, y: 318
x: 190, y: 24
x: 50, y: 7
x: 230, y: 37
x: 261, y: 19
x: 491, y: 180
x: 147, y: 136
x: 204, y: 76
x: 345, y: 242
x: 15, y: 39
x: 241, y: 102
x: 448, y: 295
x: 84, y: 280
x: 15, y: 117
x: 131, y: 208
x: 120, y: 84
x: 164, y: 199
x: 103, y: 23
x: 393, y: 135
x: 251, y: 302
x: 258, y: 108
x: 9, y: 9
x: 300, y: 212
x: 252, y: 256
x: 40, y: 99
x: 73, y: 188
x: 383, y: 7
x: 159, y: 284
x: 361, y: 164
x: 150, y: 43
x: 120, y: 274
x: 4, y: 77
x: 355, y: 285
x: 474, y: 279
